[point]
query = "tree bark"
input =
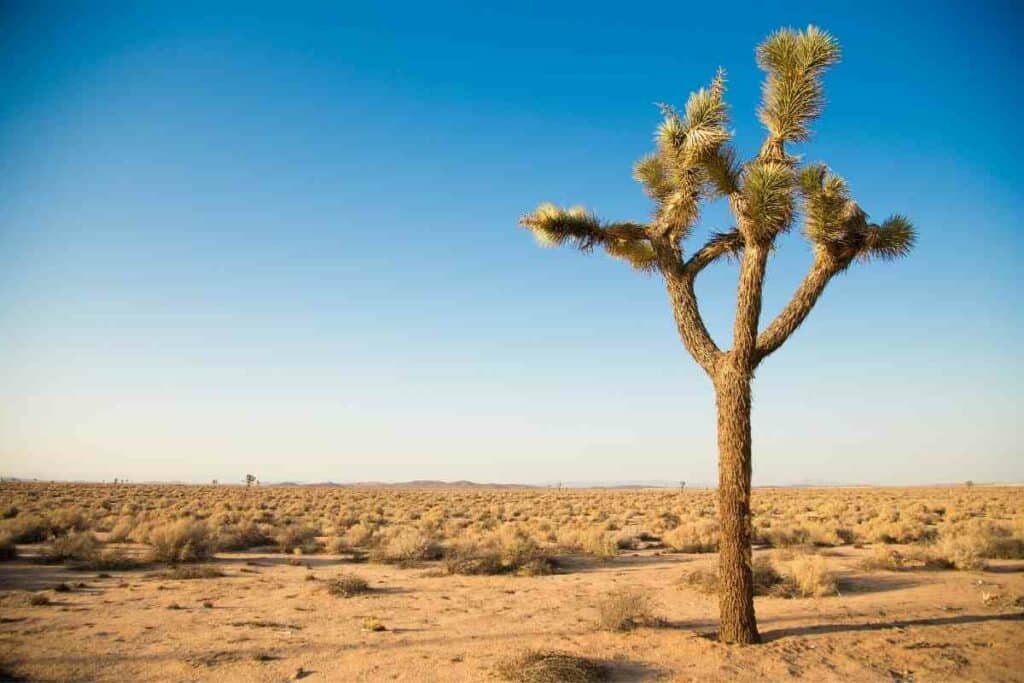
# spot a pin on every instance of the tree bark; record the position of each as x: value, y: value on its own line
x: 736, y: 581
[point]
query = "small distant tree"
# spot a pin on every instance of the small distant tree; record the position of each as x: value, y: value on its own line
x: 694, y: 161
x: 250, y: 479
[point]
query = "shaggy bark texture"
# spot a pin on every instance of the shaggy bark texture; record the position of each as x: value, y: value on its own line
x: 736, y: 597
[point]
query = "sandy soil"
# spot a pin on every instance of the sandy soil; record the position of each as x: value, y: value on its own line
x: 267, y: 620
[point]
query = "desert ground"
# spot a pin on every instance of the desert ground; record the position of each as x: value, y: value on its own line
x: 225, y: 583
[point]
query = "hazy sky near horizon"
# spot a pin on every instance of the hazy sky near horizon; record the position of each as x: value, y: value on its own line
x: 283, y: 240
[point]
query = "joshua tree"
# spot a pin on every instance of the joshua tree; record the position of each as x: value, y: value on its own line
x: 693, y: 162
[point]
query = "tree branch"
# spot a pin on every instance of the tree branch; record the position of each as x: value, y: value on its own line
x: 679, y: 284
x: 748, y: 305
x: 720, y: 244
x: 796, y: 311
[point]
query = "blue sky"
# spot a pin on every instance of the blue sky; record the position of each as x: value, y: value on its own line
x: 283, y: 240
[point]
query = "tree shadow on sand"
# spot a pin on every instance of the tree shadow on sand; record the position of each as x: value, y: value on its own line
x: 822, y: 629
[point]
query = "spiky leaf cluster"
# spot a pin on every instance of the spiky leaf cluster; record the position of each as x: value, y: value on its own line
x: 836, y: 223
x: 577, y: 227
x: 766, y: 202
x: 691, y: 160
x: 792, y: 95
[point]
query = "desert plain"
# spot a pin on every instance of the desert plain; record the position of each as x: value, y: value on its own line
x: 127, y: 582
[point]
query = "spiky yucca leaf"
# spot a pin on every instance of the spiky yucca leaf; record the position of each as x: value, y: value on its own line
x: 679, y: 211
x: 553, y: 225
x: 891, y: 240
x: 650, y: 172
x: 723, y: 172
x: 792, y: 94
x: 671, y: 134
x: 767, y: 200
x: 826, y: 204
x: 577, y: 227
x: 811, y: 178
x: 789, y: 49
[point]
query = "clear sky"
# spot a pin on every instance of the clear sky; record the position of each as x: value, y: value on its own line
x: 283, y: 241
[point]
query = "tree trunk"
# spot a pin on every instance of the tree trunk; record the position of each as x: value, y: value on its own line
x: 736, y: 581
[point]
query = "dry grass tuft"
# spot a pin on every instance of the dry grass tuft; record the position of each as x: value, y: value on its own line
x: 551, y: 666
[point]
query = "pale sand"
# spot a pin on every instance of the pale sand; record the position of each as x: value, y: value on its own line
x: 885, y: 626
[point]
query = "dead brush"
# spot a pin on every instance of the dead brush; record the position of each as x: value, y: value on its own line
x: 550, y: 666
x: 625, y: 609
x: 347, y: 586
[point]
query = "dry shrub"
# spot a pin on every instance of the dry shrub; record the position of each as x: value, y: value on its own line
x: 109, y: 559
x: 509, y: 551
x: 347, y: 585
x: 600, y: 544
x: 66, y: 520
x: 964, y: 552
x: 625, y: 609
x: 700, y: 536
x: 785, y: 537
x: 26, y: 528
x: 767, y: 579
x: 1008, y: 548
x: 807, y: 576
x: 121, y: 531
x: 76, y: 546
x: 800, y: 576
x: 302, y: 538
x: 359, y: 535
x: 408, y: 545
x: 883, y: 558
x: 181, y: 541
x: 242, y: 537
x: 551, y: 666
x: 701, y: 580
x: 8, y: 548
x: 500, y: 554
